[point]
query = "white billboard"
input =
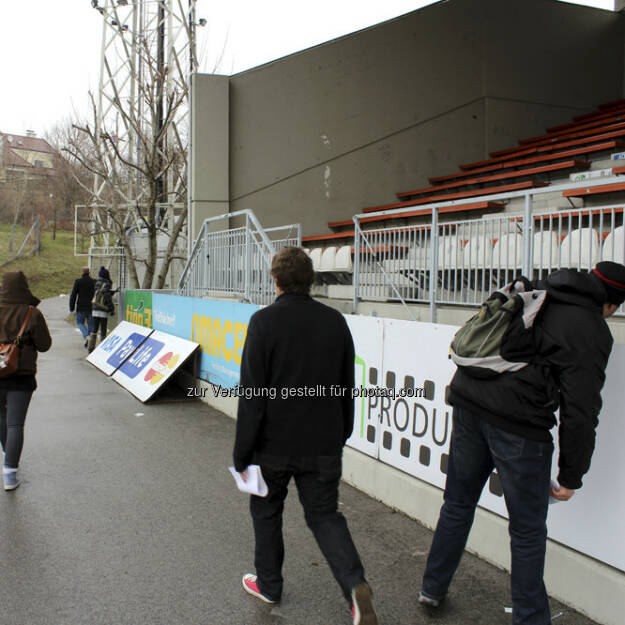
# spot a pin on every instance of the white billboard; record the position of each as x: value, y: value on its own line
x: 153, y: 363
x: 411, y: 430
x: 368, y: 334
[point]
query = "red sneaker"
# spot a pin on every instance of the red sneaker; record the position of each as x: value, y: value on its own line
x: 363, y: 612
x: 251, y: 586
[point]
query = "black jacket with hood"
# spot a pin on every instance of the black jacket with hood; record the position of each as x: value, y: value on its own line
x: 573, y: 344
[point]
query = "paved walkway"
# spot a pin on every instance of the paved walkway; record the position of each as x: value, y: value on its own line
x: 128, y: 516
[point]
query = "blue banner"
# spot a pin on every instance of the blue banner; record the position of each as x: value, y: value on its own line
x: 118, y: 356
x: 137, y: 362
x: 219, y: 327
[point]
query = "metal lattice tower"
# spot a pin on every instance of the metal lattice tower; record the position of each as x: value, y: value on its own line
x: 148, y: 53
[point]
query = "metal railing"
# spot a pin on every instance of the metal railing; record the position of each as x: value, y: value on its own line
x: 463, y: 261
x: 236, y: 262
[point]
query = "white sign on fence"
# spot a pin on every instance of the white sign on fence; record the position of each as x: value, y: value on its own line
x: 118, y: 346
x: 368, y: 371
x: 412, y: 433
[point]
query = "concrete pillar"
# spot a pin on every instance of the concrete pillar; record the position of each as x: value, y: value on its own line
x: 210, y: 148
x: 619, y: 7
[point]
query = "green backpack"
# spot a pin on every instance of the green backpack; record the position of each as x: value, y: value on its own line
x: 500, y: 337
x: 99, y: 299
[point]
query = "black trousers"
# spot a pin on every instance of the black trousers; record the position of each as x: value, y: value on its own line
x: 100, y: 323
x: 13, y: 408
x: 317, y: 481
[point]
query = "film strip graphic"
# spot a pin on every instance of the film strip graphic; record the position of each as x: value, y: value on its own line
x: 423, y: 454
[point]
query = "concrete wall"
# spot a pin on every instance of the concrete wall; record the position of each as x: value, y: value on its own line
x: 209, y: 149
x: 318, y: 135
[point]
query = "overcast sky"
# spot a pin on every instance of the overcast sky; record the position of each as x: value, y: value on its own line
x: 50, y: 49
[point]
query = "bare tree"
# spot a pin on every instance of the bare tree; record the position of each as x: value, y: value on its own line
x: 22, y: 195
x: 67, y: 187
x: 137, y: 185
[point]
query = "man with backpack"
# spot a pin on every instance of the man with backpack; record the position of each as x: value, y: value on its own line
x: 80, y: 299
x: 503, y: 422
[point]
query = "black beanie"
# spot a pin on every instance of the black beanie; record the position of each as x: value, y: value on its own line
x: 612, y: 276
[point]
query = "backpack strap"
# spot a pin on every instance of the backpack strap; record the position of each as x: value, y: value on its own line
x: 29, y: 314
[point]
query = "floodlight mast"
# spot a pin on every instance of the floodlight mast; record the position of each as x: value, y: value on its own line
x: 148, y: 53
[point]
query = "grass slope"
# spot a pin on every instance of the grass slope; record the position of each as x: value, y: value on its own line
x: 50, y: 273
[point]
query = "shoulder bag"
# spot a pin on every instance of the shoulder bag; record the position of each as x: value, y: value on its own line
x: 10, y: 352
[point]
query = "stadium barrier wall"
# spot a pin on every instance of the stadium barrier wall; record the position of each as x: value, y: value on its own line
x: 399, y: 448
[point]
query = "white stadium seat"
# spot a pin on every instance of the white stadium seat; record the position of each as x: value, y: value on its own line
x: 419, y: 257
x: 327, y: 259
x: 508, y: 252
x: 449, y: 252
x: 613, y: 248
x: 477, y: 253
x: 580, y: 249
x: 315, y: 256
x: 545, y: 250
x: 343, y: 259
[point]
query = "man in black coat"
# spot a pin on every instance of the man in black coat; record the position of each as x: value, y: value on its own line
x: 295, y: 413
x: 80, y: 299
x: 505, y: 423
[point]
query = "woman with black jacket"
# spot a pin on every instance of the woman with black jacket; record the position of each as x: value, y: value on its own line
x: 17, y: 389
x: 102, y: 306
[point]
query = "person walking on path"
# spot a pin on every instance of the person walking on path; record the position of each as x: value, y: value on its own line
x: 17, y: 389
x: 505, y: 422
x: 294, y: 345
x: 102, y: 306
x: 80, y: 299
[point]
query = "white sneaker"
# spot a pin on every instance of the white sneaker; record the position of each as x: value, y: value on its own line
x: 430, y: 601
x: 10, y: 480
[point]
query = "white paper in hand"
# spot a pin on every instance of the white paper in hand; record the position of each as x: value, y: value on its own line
x: 555, y: 486
x: 255, y: 483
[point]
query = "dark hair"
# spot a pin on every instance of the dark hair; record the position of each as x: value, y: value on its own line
x: 293, y: 270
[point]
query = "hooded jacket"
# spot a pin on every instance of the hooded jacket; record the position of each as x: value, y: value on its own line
x: 573, y: 344
x: 15, y: 298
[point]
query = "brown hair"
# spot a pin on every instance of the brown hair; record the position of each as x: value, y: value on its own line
x: 293, y: 271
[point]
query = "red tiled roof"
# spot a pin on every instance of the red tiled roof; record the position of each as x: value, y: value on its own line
x: 32, y: 144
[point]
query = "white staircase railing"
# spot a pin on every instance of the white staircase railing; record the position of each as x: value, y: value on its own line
x: 236, y: 262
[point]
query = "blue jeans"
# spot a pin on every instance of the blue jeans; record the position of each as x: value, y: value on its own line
x: 81, y: 319
x: 524, y: 467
